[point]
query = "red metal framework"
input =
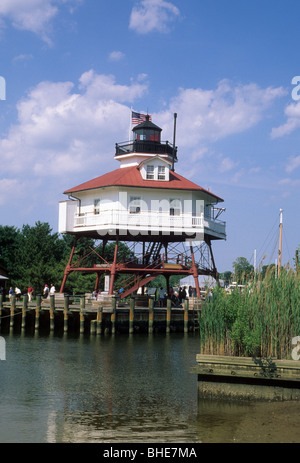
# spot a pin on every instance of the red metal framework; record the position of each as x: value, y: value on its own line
x: 150, y: 260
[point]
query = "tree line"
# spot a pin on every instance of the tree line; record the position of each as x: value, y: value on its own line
x: 35, y: 256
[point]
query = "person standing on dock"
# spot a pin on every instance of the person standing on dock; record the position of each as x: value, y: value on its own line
x: 45, y: 292
x: 161, y: 297
x: 18, y: 293
x: 10, y: 293
x: 52, y: 290
x: 29, y: 292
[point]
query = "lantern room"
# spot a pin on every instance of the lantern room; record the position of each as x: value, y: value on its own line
x: 147, y: 131
x: 146, y: 143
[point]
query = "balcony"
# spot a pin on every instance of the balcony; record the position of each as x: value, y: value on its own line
x: 150, y: 147
x: 150, y: 221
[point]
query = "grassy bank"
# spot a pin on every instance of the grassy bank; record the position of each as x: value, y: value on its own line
x: 261, y: 320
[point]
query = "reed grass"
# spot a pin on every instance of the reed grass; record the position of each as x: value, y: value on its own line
x: 260, y: 320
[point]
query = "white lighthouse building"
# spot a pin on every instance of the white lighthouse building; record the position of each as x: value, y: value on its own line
x: 146, y: 201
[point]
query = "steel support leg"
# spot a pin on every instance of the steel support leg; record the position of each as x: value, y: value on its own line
x: 68, y: 267
x: 195, y: 272
x: 113, y: 270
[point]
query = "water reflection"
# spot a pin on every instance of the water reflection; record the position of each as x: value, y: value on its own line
x: 128, y: 388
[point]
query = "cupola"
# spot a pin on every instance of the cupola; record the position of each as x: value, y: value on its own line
x: 146, y: 144
x: 147, y: 131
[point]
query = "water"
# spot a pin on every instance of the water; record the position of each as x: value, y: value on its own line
x: 123, y: 389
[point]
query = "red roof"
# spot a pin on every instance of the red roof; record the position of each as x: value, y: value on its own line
x: 131, y: 176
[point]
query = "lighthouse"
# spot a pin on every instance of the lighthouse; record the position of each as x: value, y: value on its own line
x: 171, y: 220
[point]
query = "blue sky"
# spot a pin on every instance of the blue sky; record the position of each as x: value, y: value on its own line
x: 74, y: 68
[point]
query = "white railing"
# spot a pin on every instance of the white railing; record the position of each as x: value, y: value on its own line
x: 148, y: 220
x: 143, y: 219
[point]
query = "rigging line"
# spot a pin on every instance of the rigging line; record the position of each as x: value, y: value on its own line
x: 271, y: 239
x: 287, y: 247
x: 275, y: 245
x: 267, y: 237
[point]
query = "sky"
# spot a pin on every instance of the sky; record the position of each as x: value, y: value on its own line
x: 71, y: 70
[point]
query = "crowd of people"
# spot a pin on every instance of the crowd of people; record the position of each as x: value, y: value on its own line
x: 177, y: 295
x: 17, y: 292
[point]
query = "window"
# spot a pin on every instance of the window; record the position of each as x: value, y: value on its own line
x: 161, y: 173
x: 96, y: 206
x: 175, y: 206
x: 135, y: 205
x: 150, y: 173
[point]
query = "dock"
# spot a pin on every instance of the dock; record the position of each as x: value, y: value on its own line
x: 246, y: 378
x: 78, y: 314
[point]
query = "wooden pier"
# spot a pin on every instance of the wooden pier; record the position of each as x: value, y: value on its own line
x: 74, y: 314
x: 245, y: 378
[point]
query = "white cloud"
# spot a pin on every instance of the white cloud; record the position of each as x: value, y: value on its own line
x: 23, y: 58
x: 11, y: 188
x: 292, y: 113
x: 67, y: 131
x: 289, y: 182
x: 32, y: 15
x: 153, y: 15
x: 293, y: 163
x: 210, y: 115
x: 226, y: 164
x: 116, y: 56
x: 62, y: 131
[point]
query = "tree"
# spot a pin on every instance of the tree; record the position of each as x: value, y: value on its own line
x: 226, y: 276
x: 38, y: 257
x: 9, y: 244
x: 243, y: 270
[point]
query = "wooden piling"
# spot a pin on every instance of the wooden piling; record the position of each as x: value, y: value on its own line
x: 82, y: 309
x: 37, y: 311
x: 24, y: 310
x: 151, y: 315
x: 131, y: 314
x: 51, y: 313
x: 66, y: 309
x: 186, y: 316
x: 113, y: 315
x: 168, y: 321
x: 99, y: 320
x: 12, y: 310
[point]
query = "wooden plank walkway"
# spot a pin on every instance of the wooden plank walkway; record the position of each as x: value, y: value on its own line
x: 247, y: 378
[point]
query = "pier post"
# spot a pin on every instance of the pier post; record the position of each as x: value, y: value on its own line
x: 52, y: 307
x: 66, y: 308
x: 24, y: 310
x: 151, y: 315
x: 186, y: 316
x: 169, y: 305
x: 37, y: 311
x: 113, y: 315
x: 82, y: 308
x: 12, y: 310
x: 131, y: 314
x: 99, y: 320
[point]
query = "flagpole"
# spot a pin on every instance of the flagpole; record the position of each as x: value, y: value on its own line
x: 130, y: 124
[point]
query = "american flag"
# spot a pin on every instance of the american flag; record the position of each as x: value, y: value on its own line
x: 137, y: 118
